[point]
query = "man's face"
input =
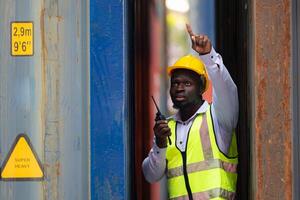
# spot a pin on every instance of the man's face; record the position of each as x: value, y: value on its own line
x: 185, y: 88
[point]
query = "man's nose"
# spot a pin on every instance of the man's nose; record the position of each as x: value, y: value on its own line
x: 180, y: 87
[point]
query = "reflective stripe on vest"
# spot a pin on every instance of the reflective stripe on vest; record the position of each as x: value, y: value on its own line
x: 202, y: 171
x: 203, y: 165
x: 209, y: 194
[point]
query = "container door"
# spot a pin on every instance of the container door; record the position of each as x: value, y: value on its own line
x: 43, y: 100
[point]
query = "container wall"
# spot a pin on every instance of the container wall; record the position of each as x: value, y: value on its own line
x: 296, y: 101
x: 45, y: 96
x: 272, y: 112
x: 109, y: 108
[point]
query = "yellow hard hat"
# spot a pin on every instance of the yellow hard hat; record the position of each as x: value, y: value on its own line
x: 191, y: 63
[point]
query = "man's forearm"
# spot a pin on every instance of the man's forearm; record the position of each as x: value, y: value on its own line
x: 225, y: 97
x: 155, y: 164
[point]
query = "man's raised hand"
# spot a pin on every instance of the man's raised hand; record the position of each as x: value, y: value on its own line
x: 200, y: 43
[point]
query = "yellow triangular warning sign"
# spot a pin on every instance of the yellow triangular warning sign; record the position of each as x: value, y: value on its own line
x: 22, y: 162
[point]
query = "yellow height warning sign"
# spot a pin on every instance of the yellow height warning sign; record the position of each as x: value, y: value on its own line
x: 21, y: 38
x: 22, y: 162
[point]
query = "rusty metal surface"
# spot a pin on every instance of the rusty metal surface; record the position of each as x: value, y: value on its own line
x: 45, y: 96
x: 272, y: 128
x: 296, y: 100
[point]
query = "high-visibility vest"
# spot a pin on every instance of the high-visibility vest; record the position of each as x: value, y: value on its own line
x: 202, y: 171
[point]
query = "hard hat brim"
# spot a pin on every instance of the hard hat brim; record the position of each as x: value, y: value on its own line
x: 170, y: 69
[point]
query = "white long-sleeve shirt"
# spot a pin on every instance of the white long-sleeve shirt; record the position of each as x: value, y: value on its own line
x: 224, y: 113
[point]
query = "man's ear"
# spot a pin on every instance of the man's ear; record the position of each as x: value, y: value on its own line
x: 202, y: 84
x: 201, y: 90
x: 201, y: 95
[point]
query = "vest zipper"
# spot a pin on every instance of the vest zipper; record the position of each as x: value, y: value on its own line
x: 186, y: 178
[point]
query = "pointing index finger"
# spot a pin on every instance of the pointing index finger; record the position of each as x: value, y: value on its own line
x: 189, y: 30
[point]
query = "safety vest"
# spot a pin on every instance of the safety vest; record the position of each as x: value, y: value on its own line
x: 202, y: 171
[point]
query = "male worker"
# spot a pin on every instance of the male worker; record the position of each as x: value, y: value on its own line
x: 201, y: 161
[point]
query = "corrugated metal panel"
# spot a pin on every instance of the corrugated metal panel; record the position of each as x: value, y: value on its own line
x: 108, y: 100
x: 45, y: 96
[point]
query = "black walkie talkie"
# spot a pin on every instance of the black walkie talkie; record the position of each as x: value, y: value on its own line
x: 160, y: 116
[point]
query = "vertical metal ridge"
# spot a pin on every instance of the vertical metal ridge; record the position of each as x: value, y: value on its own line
x: 53, y: 123
x: 273, y: 127
x: 107, y: 100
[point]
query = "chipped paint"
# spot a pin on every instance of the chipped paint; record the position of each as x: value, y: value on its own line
x: 108, y: 101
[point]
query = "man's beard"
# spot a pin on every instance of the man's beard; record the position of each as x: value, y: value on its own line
x: 175, y: 107
x: 179, y: 106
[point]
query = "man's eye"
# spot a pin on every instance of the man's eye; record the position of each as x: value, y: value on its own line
x: 174, y: 84
x: 187, y: 84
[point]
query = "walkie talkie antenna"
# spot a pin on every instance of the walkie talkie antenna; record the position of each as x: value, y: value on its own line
x: 155, y: 104
x: 160, y: 116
